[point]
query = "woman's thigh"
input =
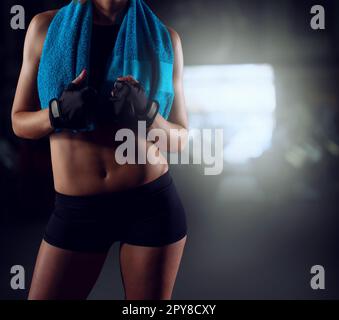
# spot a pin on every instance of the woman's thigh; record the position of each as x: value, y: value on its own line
x: 64, y: 275
x: 149, y: 273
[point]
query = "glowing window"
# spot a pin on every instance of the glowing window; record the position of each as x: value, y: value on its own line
x: 239, y: 98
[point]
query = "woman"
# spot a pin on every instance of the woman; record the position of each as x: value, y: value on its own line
x: 98, y: 201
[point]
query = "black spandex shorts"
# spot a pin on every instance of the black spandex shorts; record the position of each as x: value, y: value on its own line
x: 148, y: 215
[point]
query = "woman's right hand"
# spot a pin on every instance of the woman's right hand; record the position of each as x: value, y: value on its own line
x: 75, y: 109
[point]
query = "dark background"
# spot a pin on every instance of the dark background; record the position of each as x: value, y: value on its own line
x: 240, y: 245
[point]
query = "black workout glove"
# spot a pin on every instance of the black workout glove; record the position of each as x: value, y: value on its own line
x: 130, y: 104
x: 75, y: 108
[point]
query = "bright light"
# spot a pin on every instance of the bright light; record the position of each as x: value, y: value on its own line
x: 239, y: 98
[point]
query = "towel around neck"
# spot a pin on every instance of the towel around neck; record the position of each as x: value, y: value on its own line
x: 143, y: 49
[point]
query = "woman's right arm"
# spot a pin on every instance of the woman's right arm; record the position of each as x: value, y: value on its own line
x: 28, y: 119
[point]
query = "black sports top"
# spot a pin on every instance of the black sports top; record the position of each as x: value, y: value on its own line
x: 102, y: 44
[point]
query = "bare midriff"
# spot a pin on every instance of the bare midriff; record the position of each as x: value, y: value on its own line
x: 85, y: 163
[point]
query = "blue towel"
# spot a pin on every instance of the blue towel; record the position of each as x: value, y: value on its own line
x: 143, y: 49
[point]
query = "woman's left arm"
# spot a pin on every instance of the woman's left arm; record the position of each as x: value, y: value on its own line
x: 176, y: 127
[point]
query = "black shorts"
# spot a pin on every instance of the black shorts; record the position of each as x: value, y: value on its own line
x: 148, y: 215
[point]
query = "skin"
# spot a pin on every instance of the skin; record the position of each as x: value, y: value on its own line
x: 84, y: 164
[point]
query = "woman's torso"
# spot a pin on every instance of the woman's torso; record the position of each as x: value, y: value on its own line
x: 85, y: 163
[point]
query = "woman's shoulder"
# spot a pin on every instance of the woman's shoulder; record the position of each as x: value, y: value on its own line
x: 41, y: 21
x: 176, y: 41
x: 37, y: 31
x: 176, y: 44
